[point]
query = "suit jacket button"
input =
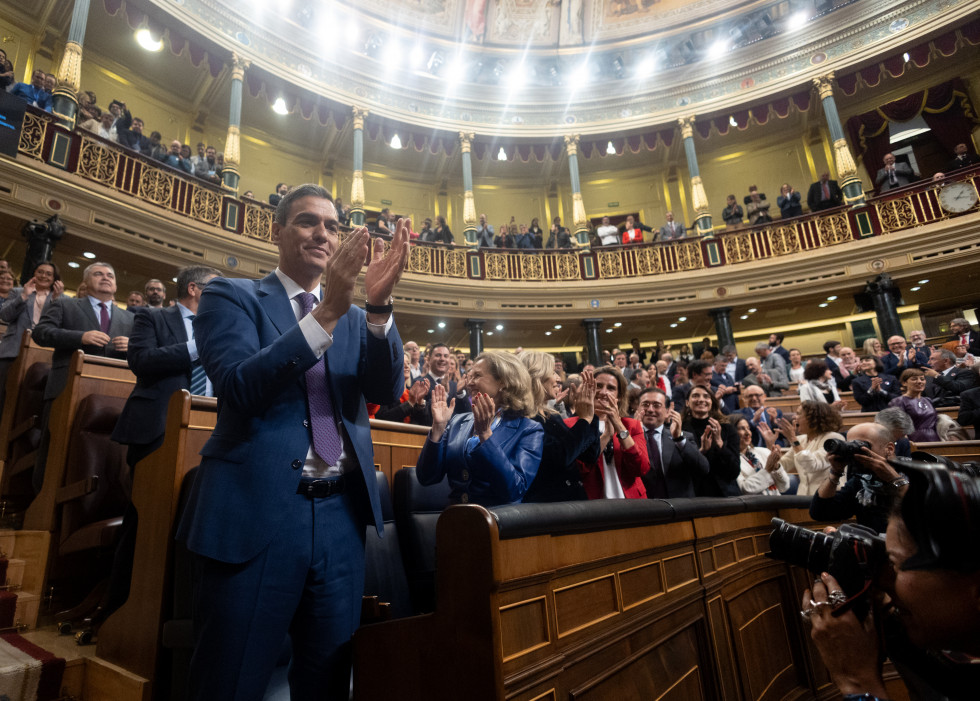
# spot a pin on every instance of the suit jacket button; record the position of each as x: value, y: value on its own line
x: 297, y: 464
x: 306, y: 423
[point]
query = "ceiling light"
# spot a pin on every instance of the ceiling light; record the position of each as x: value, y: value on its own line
x: 489, y: 333
x: 718, y: 49
x: 279, y: 106
x: 89, y: 255
x: 145, y: 39
x: 547, y: 333
x: 618, y: 324
x: 646, y: 66
x: 796, y: 21
x: 906, y: 57
x: 501, y: 154
x: 610, y: 149
x: 174, y: 279
x: 744, y: 317
x: 753, y: 310
x: 396, y: 142
x: 353, y: 34
x: 499, y: 327
x: 435, y: 62
x: 832, y: 298
x: 441, y: 324
x: 682, y: 318
x: 674, y: 325
x: 609, y: 330
x: 454, y: 73
x: 915, y: 289
x: 517, y: 77
x: 823, y: 304
x: 74, y: 264
x: 731, y: 120
x: 557, y: 326
x: 582, y: 75
x: 432, y: 331
x: 922, y: 282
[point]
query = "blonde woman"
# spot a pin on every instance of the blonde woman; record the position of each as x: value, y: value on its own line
x: 491, y: 455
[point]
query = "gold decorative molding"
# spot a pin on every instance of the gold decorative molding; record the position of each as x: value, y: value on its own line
x: 466, y: 141
x: 571, y: 146
x: 469, y: 209
x: 825, y: 85
x: 845, y: 162
x: 70, y: 71
x: 359, y: 115
x: 233, y: 153
x: 698, y: 195
x: 579, y: 219
x: 687, y: 126
x: 238, y: 66
x: 357, y: 189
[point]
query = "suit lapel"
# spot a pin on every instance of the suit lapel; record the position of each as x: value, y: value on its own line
x: 272, y: 297
x: 115, y: 320
x: 175, y: 321
x: 89, y: 312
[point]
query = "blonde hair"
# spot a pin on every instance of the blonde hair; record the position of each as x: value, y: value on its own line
x: 869, y: 346
x: 514, y: 379
x: 540, y: 367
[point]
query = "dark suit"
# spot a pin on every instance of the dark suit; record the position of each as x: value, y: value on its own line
x: 945, y: 390
x: 835, y: 365
x: 890, y: 362
x: 159, y: 358
x: 964, y: 161
x: 421, y: 414
x: 973, y: 338
x: 491, y: 472
x: 681, y: 465
x: 815, y: 200
x: 903, y: 176
x: 558, y: 477
x: 729, y: 403
x: 272, y: 559
x: 757, y: 439
x: 970, y: 410
x: 18, y: 314
x: 137, y: 142
x: 679, y: 395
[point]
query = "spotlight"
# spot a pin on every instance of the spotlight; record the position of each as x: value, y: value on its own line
x: 923, y: 282
x: 499, y: 327
x: 682, y: 318
x: 753, y: 310
x: 417, y: 56
x: 797, y: 21
x: 731, y: 120
x: 673, y: 326
x: 832, y: 298
x: 744, y: 317
x: 279, y: 106
x: 911, y: 289
x: 489, y: 333
x: 396, y: 142
x: 547, y: 333
x: 823, y: 304
x: 441, y: 324
x: 609, y: 330
x: 610, y: 149
x: 906, y: 57
x: 74, y: 264
x: 145, y: 39
x: 618, y: 324
x: 557, y: 327
x: 718, y: 49
x: 89, y: 255
x: 431, y: 331
x: 501, y: 154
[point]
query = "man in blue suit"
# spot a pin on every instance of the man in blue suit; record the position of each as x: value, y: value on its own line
x: 286, y: 485
x: 900, y: 357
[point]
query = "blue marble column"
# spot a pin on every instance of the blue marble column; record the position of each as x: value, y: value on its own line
x: 64, y: 101
x: 580, y: 221
x: 702, y: 219
x: 232, y: 173
x: 357, y: 182
x: 846, y: 169
x: 469, y: 206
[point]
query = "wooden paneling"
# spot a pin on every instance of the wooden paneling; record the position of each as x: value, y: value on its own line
x: 396, y: 445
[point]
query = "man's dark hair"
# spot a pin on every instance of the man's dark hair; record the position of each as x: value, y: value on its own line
x: 651, y: 390
x: 440, y: 345
x: 698, y: 366
x: 828, y: 345
x: 198, y: 274
x: 779, y: 337
x: 122, y: 105
x: 298, y: 193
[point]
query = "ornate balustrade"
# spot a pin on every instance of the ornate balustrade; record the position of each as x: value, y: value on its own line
x: 112, y: 166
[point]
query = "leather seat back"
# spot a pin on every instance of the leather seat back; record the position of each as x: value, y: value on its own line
x: 384, y: 570
x: 417, y: 510
x: 30, y: 402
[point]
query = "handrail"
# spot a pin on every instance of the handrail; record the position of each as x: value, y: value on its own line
x: 116, y: 167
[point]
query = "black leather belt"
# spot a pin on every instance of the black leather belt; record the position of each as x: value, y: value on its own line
x: 320, y: 488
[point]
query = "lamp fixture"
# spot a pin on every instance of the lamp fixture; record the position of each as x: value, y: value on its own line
x: 145, y: 39
x: 279, y: 106
x: 610, y: 149
x: 396, y: 142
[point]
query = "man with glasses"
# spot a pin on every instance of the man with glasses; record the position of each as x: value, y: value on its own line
x: 900, y: 357
x: 675, y: 458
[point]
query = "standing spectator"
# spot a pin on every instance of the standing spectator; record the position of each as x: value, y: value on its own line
x: 789, y: 202
x: 173, y: 158
x: 759, y: 415
x: 842, y: 376
x: 824, y: 194
x: 383, y: 223
x: 671, y: 230
x: 208, y: 169
x: 718, y: 440
x: 760, y: 470
x: 873, y: 388
x: 559, y: 237
x: 633, y: 233
x: 23, y: 310
x: 893, y: 175
x: 135, y: 300
x: 776, y: 346
x: 757, y: 206
x: 442, y: 234
x: 608, y: 233
x: 773, y: 368
x: 919, y: 408
x: 34, y: 93
x: 154, y: 293
x: 675, y: 459
x: 524, y: 240
x: 281, y: 188
x: 343, y: 212
x: 104, y: 127
x: 902, y: 357
x: 872, y: 346
x: 504, y: 239
x: 133, y: 138
x: 484, y: 233
x: 970, y: 410
x: 87, y: 108
x: 425, y: 233
x: 732, y: 213
x: 200, y: 157
x: 815, y: 423
x: 819, y: 385
x: 945, y: 380
x: 962, y: 158
x: 962, y: 331
x: 796, y: 366
x: 537, y: 233
x: 6, y: 71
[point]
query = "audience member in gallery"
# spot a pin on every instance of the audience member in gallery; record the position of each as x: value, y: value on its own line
x: 796, y: 365
x: 789, y: 202
x: 633, y: 231
x: 757, y: 206
x: 819, y: 384
x: 608, y: 233
x: 733, y: 213
x: 824, y: 194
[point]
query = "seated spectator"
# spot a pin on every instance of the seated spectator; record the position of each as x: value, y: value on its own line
x: 872, y: 346
x: 963, y: 357
x: 671, y: 230
x: 676, y: 461
x: 281, y: 188
x: 559, y: 237
x: 819, y: 385
x: 893, y: 175
x: 962, y: 158
x: 962, y: 331
x: 732, y: 213
x: 34, y: 93
x: 173, y: 158
x: 718, y: 440
x: 759, y: 415
x: 901, y: 357
x: 970, y: 410
x: 6, y: 71
x: 815, y: 423
x: 757, y: 206
x: 789, y: 202
x: 621, y: 461
x: 489, y: 460
x: 133, y: 138
x: 537, y: 233
x: 633, y: 231
x: 442, y: 234
x: 824, y: 194
x: 608, y: 233
x: 558, y: 477
x: 724, y: 385
x: 873, y: 388
x: 945, y: 380
x: 760, y: 471
x: 919, y: 408
x: 208, y: 168
x: 900, y: 426
x: 796, y: 365
x: 871, y: 491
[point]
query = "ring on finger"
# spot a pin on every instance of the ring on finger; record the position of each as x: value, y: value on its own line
x: 837, y: 598
x: 806, y: 613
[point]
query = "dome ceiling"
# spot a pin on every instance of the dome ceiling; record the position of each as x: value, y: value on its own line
x: 527, y: 68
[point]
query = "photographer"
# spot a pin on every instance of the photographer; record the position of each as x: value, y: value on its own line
x: 930, y: 618
x: 872, y: 484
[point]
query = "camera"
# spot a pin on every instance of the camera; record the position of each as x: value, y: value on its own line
x: 853, y: 554
x: 846, y: 450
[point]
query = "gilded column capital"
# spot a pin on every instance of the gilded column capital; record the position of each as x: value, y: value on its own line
x: 359, y: 115
x: 698, y: 195
x: 233, y: 145
x: 466, y: 141
x: 357, y: 190
x: 70, y: 71
x: 824, y: 85
x: 571, y: 144
x: 239, y: 65
x: 687, y: 126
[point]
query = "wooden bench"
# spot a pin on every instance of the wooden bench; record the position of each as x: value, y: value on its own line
x: 960, y: 451
x: 16, y: 420
x: 602, y: 600
x: 849, y: 419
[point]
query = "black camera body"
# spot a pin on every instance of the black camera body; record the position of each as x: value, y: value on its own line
x: 846, y: 451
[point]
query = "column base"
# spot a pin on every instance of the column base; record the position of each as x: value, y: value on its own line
x: 230, y: 178
x: 704, y: 226
x: 853, y: 191
x: 469, y: 235
x: 356, y: 216
x: 582, y: 238
x: 64, y: 107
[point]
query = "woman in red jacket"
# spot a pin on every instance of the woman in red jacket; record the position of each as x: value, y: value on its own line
x: 615, y: 465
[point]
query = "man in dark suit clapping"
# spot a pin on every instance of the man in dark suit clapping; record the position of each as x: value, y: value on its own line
x: 824, y: 194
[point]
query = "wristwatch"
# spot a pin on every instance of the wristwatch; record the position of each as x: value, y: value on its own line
x: 623, y: 435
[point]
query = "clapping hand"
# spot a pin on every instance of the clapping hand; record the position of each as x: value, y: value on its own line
x: 483, y: 413
x: 57, y: 288
x: 786, y: 428
x: 767, y: 435
x: 383, y: 272
x: 417, y: 392
x: 585, y: 397
x: 441, y: 412
x: 772, y: 464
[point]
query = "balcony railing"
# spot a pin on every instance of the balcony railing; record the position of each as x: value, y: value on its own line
x: 112, y: 166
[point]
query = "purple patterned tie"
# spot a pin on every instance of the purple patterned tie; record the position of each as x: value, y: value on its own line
x: 104, y: 317
x: 326, y: 437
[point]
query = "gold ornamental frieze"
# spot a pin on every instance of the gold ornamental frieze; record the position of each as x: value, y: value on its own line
x: 689, y: 256
x: 98, y: 162
x: 784, y: 240
x: 896, y: 214
x: 32, y: 135
x: 496, y: 264
x: 206, y: 206
x: 532, y: 267
x: 157, y: 186
x: 454, y: 263
x: 648, y: 261
x: 420, y: 260
x: 833, y: 229
x: 610, y: 264
x: 258, y: 223
x: 738, y: 247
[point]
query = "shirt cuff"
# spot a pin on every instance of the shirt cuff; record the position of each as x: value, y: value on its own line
x: 192, y: 350
x: 381, y: 330
x: 318, y: 339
